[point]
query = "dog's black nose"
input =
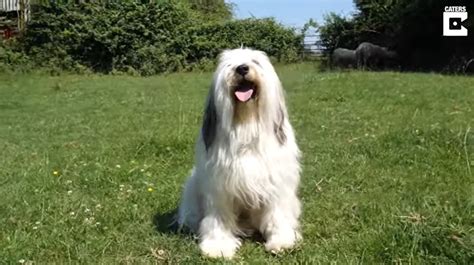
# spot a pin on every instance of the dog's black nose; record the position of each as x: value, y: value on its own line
x: 242, y: 69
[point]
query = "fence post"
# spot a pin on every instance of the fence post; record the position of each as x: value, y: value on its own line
x: 24, y: 7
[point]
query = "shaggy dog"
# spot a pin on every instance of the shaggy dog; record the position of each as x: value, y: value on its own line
x: 246, y: 171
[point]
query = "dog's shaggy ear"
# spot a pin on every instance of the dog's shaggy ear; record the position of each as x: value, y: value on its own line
x: 278, y: 127
x: 280, y: 117
x: 209, y: 123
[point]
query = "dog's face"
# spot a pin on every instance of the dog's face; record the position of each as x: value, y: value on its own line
x: 246, y: 91
x: 248, y: 79
x: 243, y: 74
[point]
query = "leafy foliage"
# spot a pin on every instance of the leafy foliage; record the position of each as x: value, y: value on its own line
x: 337, y: 31
x: 146, y: 38
x: 216, y: 10
x: 263, y: 34
x: 10, y: 57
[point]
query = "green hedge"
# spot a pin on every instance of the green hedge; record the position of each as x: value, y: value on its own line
x: 12, y: 59
x: 144, y: 38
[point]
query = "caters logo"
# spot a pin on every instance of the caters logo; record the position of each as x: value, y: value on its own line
x: 453, y: 17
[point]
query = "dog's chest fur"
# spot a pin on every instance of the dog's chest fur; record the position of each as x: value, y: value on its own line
x: 245, y: 174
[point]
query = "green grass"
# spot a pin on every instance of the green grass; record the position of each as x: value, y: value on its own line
x: 387, y: 167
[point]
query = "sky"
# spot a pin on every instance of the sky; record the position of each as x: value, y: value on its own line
x: 294, y: 13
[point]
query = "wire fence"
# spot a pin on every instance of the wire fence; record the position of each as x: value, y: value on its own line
x: 312, y: 45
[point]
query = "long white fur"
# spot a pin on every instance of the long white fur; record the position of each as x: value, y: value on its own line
x: 246, y: 170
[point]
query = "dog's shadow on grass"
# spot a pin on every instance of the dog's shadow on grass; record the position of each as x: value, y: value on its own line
x: 167, y: 223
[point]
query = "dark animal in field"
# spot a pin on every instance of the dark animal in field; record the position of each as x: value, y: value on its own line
x: 371, y: 56
x: 469, y: 67
x: 343, y: 58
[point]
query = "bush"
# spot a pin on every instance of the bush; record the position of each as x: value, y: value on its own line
x: 12, y: 59
x: 263, y: 34
x: 145, y: 38
x: 336, y: 32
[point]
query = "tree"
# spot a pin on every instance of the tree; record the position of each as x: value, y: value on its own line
x: 216, y: 10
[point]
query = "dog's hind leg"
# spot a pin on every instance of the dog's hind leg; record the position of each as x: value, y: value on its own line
x: 190, y: 209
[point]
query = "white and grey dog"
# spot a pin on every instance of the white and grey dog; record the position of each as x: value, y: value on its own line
x: 246, y: 172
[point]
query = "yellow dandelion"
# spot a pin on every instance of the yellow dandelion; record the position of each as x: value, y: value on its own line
x: 150, y: 189
x: 56, y: 173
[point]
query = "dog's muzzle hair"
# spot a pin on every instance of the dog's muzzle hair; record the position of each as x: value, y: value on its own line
x: 247, y: 168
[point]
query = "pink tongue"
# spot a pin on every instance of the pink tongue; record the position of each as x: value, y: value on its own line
x: 244, y: 95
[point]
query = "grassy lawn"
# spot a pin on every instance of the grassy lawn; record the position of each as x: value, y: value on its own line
x: 92, y: 167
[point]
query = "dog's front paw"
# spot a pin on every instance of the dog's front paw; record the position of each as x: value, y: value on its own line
x: 219, y: 248
x: 282, y: 240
